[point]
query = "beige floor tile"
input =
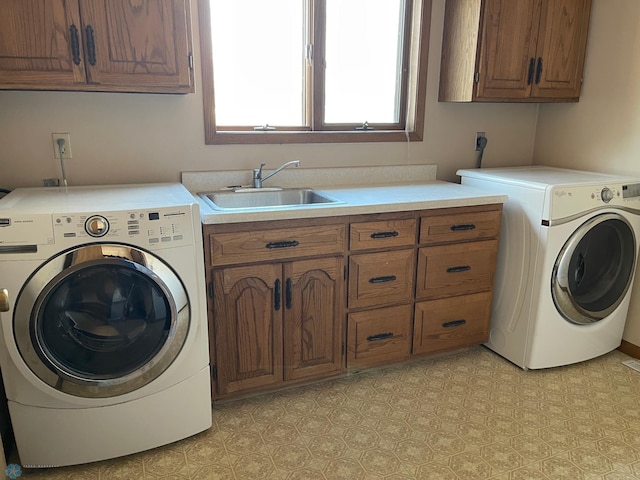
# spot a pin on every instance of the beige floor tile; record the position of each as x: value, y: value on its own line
x: 469, y: 416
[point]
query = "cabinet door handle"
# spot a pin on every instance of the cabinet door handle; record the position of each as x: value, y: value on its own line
x: 288, y: 293
x: 379, y: 336
x: 463, y: 227
x: 276, y: 295
x: 454, y: 323
x: 532, y: 66
x: 539, y: 70
x: 284, y: 244
x: 458, y: 269
x: 384, y: 234
x: 386, y: 278
x: 91, y: 46
x: 75, y: 44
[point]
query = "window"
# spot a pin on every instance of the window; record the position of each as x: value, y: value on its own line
x: 314, y: 71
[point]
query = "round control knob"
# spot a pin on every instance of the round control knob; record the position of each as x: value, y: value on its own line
x: 96, y: 226
x: 606, y: 195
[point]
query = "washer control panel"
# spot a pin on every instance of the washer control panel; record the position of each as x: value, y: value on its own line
x: 97, y: 226
x: 167, y: 227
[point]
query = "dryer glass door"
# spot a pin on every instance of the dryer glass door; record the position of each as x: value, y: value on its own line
x: 107, y: 320
x: 594, y: 269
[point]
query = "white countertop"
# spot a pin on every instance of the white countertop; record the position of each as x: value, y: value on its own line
x: 409, y: 188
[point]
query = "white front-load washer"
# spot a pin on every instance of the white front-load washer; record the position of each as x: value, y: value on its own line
x: 103, y: 326
x: 566, y: 262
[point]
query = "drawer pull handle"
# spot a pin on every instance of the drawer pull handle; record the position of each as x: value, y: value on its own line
x: 287, y: 294
x: 384, y: 234
x: 461, y: 268
x: 463, y: 227
x: 454, y: 323
x: 284, y: 244
x: 388, y: 278
x: 276, y: 295
x: 379, y: 336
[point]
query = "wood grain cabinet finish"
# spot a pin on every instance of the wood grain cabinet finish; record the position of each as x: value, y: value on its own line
x: 380, y: 335
x: 242, y: 246
x: 382, y: 234
x: 458, y: 269
x: 273, y: 322
x: 513, y: 50
x: 247, y: 327
x: 381, y: 278
x: 290, y: 302
x: 450, y: 323
x: 96, y: 45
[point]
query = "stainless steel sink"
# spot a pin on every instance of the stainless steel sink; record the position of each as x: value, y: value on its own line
x: 266, y: 198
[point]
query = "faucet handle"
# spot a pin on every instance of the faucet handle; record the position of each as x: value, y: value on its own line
x: 258, y: 171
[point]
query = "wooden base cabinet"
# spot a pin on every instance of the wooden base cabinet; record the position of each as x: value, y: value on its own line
x: 274, y: 323
x: 282, y: 295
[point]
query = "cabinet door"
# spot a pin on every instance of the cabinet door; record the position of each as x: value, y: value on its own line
x: 36, y: 38
x: 562, y: 42
x: 142, y: 45
x: 313, y: 317
x: 248, y: 327
x: 508, y: 44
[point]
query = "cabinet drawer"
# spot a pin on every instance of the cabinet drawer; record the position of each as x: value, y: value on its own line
x: 451, y: 323
x: 378, y: 336
x: 449, y: 270
x: 379, y: 278
x: 383, y: 234
x: 460, y: 227
x: 253, y: 246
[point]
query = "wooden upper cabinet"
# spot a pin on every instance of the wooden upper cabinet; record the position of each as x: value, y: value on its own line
x: 562, y: 43
x: 513, y: 50
x: 106, y: 45
x: 35, y: 43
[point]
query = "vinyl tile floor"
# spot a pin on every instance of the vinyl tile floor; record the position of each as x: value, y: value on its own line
x: 467, y: 416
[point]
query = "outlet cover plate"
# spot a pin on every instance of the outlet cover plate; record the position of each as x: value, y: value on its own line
x: 66, y: 148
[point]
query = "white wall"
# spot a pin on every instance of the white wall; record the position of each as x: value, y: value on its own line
x: 602, y: 132
x: 124, y: 138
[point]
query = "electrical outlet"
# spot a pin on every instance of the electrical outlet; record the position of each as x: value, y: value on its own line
x: 477, y: 145
x: 66, y: 145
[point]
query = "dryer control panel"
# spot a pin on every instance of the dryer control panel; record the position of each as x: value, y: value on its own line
x: 631, y: 191
x: 567, y: 201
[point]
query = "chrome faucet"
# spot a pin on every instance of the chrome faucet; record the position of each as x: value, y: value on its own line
x: 257, y: 172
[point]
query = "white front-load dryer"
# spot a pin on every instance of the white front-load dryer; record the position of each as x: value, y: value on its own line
x: 566, y: 262
x: 102, y: 320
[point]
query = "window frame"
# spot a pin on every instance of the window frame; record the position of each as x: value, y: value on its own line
x: 414, y: 103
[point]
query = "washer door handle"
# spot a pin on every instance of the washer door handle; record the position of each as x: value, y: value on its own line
x: 4, y: 300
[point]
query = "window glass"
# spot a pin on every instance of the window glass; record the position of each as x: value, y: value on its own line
x: 259, y: 61
x: 364, y: 40
x: 307, y: 71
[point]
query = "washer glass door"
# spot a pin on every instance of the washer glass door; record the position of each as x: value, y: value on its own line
x: 101, y: 320
x: 594, y: 269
